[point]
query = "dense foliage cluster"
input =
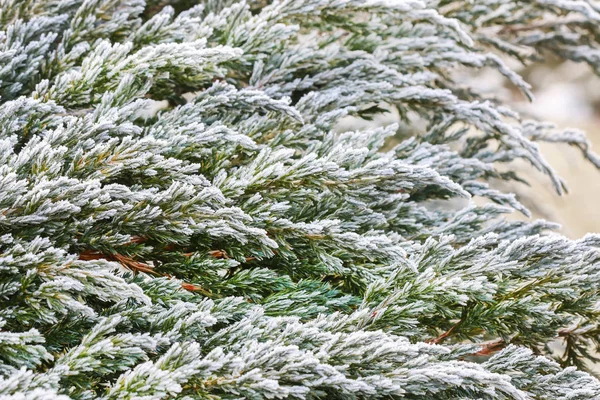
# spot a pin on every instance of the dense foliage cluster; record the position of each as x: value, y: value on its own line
x: 181, y: 216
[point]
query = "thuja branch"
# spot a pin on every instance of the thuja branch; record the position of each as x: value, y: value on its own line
x: 234, y: 150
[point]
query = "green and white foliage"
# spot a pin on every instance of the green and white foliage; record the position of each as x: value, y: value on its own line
x: 182, y: 217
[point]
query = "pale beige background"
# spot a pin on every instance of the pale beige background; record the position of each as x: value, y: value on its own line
x: 567, y: 94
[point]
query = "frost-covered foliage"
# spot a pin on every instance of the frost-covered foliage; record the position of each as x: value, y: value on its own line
x: 236, y: 244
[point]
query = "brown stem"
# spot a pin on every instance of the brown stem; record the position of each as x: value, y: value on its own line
x: 220, y: 254
x: 443, y: 336
x: 137, y: 240
x: 453, y: 329
x: 565, y: 332
x: 137, y: 266
x: 491, y: 347
x: 195, y: 288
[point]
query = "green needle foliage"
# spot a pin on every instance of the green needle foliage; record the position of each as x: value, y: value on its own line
x: 181, y: 215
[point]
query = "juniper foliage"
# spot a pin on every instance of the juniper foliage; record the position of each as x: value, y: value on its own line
x: 236, y: 244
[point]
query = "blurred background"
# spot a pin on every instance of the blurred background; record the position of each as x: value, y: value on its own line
x: 567, y: 94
